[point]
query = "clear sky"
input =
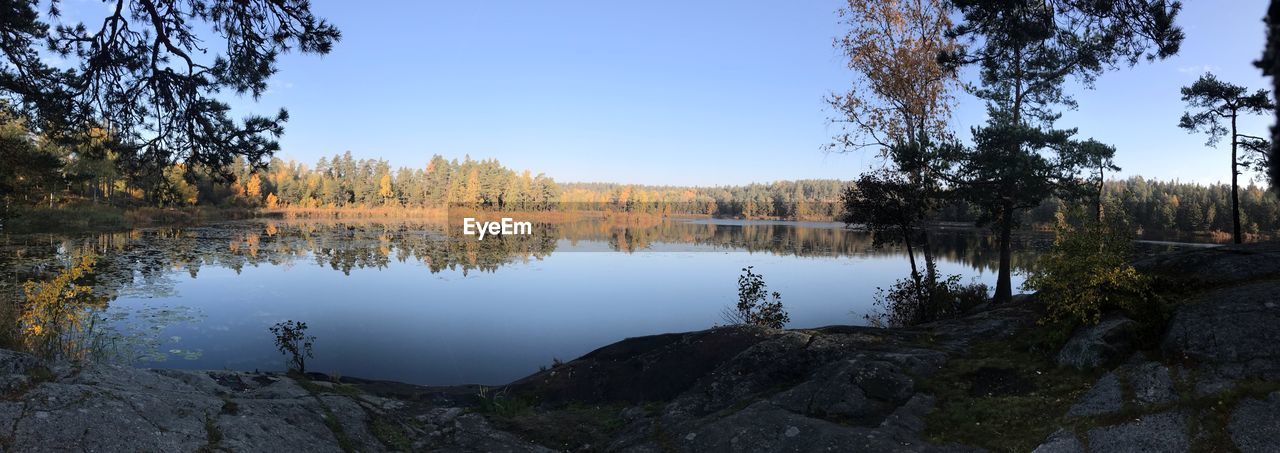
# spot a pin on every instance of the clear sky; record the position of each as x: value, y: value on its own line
x: 666, y: 92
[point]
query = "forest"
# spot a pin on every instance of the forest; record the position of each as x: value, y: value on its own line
x: 47, y: 174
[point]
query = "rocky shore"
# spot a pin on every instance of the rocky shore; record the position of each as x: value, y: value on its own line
x: 1206, y: 379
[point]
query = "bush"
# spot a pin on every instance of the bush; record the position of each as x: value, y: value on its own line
x: 59, y: 317
x: 755, y: 307
x: 292, y: 339
x: 1087, y: 272
x: 907, y: 304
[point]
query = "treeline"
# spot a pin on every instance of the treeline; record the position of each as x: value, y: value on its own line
x: 38, y: 172
x: 1175, y: 207
x: 806, y: 199
x: 343, y: 182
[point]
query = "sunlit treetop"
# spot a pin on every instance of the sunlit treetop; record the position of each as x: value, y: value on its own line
x: 150, y: 72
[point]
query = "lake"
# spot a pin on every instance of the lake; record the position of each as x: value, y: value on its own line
x: 409, y: 301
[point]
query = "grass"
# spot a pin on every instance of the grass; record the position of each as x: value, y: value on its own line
x: 1003, y: 395
x: 87, y: 217
x: 501, y: 403
x: 335, y: 427
x: 390, y: 433
x: 570, y: 428
x: 213, y: 434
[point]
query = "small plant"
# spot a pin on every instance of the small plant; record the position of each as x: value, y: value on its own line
x: 755, y: 307
x: 501, y: 403
x: 292, y: 340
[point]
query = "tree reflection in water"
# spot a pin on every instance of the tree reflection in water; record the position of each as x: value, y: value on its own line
x: 143, y: 263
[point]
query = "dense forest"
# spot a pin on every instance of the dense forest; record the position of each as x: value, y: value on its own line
x: 48, y: 174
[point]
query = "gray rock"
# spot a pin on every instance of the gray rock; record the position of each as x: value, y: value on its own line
x: 1216, y: 266
x: 1106, y: 396
x: 1103, y: 344
x: 277, y: 425
x: 1235, y: 325
x: 765, y: 427
x: 859, y: 391
x: 1151, y: 383
x: 1061, y: 441
x: 1163, y: 432
x: 910, y: 417
x: 1255, y: 424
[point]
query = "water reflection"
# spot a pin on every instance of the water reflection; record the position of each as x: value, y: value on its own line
x: 414, y: 301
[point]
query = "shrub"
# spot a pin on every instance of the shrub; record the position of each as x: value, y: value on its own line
x: 907, y: 304
x: 501, y: 403
x: 755, y: 305
x: 59, y: 317
x: 292, y: 339
x: 1087, y: 272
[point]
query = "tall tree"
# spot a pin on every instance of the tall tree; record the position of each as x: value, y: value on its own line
x: 1213, y: 103
x: 1025, y: 51
x: 900, y: 93
x: 899, y: 103
x: 144, y: 73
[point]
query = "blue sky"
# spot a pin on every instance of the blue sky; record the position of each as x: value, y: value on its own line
x: 696, y: 93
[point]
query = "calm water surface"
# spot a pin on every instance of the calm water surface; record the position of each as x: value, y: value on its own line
x: 407, y: 301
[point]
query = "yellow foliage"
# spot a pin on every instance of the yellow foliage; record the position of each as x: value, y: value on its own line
x: 253, y: 188
x: 57, y: 315
x: 1087, y: 272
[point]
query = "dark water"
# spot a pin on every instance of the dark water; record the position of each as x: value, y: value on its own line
x: 409, y: 302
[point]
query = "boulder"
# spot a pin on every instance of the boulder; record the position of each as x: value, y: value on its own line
x: 1106, y: 396
x: 1106, y: 343
x: 1151, y: 383
x: 1255, y: 424
x: 1164, y: 432
x: 635, y: 370
x: 1229, y: 326
x: 1062, y: 441
x: 1217, y: 266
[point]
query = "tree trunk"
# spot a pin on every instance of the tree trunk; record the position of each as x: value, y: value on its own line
x: 1004, y: 285
x: 1102, y: 181
x: 911, y: 256
x: 921, y: 308
x: 930, y: 267
x: 1235, y: 191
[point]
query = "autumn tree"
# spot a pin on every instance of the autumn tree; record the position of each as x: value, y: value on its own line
x: 147, y: 73
x: 900, y: 93
x: 1213, y: 105
x: 1025, y: 51
x: 899, y: 104
x: 384, y: 189
x: 253, y: 188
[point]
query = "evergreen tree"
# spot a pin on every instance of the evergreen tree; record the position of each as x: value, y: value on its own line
x: 1215, y: 102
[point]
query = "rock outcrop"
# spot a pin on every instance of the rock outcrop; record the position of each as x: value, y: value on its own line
x: 1214, y: 381
x: 1106, y: 343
